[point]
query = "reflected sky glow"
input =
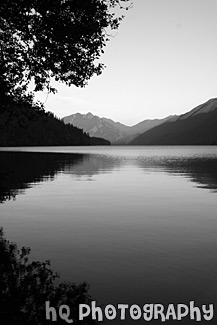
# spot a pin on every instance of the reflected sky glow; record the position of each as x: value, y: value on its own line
x: 136, y: 227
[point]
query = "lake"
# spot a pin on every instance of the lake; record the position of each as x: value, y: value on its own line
x: 139, y: 224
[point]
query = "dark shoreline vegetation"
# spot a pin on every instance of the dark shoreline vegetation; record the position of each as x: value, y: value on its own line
x: 42, y: 41
x: 25, y: 123
x: 26, y: 286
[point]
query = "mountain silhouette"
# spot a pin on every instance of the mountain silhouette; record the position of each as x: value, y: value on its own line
x: 115, y: 132
x: 28, y: 124
x: 196, y: 127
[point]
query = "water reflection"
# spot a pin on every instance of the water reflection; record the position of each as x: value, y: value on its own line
x: 25, y: 287
x: 121, y: 221
x: 200, y: 170
x: 20, y: 170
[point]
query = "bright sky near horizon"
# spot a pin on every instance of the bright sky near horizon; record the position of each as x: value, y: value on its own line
x: 162, y: 61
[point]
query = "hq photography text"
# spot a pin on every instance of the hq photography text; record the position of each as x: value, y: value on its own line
x: 147, y: 312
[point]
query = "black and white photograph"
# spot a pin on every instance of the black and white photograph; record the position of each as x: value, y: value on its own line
x: 108, y: 162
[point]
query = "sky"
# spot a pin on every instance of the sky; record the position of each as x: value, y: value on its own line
x: 162, y: 61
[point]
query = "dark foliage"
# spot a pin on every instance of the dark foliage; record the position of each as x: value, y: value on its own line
x: 25, y: 286
x: 41, y: 41
x: 61, y: 39
x: 25, y: 123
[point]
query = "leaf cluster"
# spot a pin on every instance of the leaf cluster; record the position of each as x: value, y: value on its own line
x: 25, y: 286
x: 60, y: 39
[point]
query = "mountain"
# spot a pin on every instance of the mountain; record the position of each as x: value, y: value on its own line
x: 27, y: 124
x: 115, y: 132
x: 196, y: 127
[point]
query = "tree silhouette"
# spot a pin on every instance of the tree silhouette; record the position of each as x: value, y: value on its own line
x: 25, y: 287
x: 61, y: 39
x: 42, y: 40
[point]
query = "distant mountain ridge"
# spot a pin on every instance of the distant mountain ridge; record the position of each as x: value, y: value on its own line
x: 196, y: 127
x: 23, y: 123
x: 115, y: 132
x: 206, y: 107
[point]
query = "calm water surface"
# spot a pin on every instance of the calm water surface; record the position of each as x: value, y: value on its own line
x: 139, y: 224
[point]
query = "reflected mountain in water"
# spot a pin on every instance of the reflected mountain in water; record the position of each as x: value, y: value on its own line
x: 20, y: 170
x: 200, y: 170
